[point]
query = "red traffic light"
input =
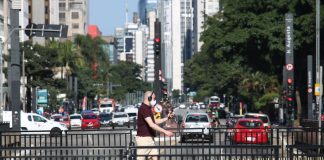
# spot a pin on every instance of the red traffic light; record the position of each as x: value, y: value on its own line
x: 157, y: 40
x: 289, y: 80
x: 290, y: 99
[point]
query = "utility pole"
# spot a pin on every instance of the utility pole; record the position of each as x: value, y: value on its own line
x: 15, y: 71
x: 157, y: 61
x: 318, y: 85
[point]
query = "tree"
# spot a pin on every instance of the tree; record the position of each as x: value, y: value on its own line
x: 128, y: 76
x: 245, y: 41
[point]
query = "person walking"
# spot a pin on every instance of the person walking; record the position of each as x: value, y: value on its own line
x: 217, y: 118
x: 147, y: 126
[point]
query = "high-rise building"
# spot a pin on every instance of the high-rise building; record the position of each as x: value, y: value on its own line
x: 202, y: 8
x: 74, y: 13
x: 176, y: 18
x: 110, y: 48
x: 144, y: 7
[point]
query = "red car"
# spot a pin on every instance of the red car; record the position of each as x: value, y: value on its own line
x: 90, y: 121
x: 250, y: 131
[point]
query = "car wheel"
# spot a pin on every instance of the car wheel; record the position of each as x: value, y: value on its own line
x: 55, y: 132
x: 113, y: 126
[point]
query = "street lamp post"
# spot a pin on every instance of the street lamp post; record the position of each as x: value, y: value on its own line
x: 1, y: 83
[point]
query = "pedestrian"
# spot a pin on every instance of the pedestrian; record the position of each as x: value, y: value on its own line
x: 147, y: 126
x: 217, y: 118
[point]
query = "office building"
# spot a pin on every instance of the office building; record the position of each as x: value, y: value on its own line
x: 201, y: 9
x: 74, y: 13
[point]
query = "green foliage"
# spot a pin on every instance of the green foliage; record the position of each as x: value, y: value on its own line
x: 127, y: 75
x: 244, y: 49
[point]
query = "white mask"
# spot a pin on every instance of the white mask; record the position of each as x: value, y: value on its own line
x: 153, y: 102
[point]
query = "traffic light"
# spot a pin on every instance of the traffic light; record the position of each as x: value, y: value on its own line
x: 157, y: 45
x: 164, y: 90
x: 290, y: 93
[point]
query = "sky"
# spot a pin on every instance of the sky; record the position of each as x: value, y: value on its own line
x: 109, y: 14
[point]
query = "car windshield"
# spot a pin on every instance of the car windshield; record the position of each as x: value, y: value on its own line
x: 89, y: 116
x: 250, y: 124
x: 120, y: 115
x: 197, y: 118
x: 132, y: 114
x: 75, y: 117
x: 105, y: 116
x: 263, y: 118
x: 106, y: 105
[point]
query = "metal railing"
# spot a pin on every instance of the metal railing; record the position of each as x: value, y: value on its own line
x: 114, y: 143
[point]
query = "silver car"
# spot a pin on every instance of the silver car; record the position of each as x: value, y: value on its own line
x: 196, y: 126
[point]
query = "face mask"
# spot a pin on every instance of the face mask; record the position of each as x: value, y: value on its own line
x: 153, y: 102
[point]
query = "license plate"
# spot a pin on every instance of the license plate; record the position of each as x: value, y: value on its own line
x: 120, y: 123
x: 90, y: 124
x: 250, y: 138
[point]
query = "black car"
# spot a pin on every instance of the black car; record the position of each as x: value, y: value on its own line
x: 105, y: 119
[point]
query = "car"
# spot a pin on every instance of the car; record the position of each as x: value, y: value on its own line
x: 76, y: 120
x: 105, y: 119
x: 231, y: 120
x: 194, y: 106
x: 95, y: 111
x: 90, y: 121
x: 182, y: 106
x: 86, y: 112
x: 196, y: 125
x: 202, y: 105
x: 132, y: 113
x: 230, y: 124
x: 265, y: 118
x: 120, y: 119
x: 65, y: 119
x: 34, y: 122
x: 250, y: 131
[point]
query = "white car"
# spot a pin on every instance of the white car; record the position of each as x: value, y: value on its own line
x: 34, y: 122
x: 265, y: 118
x: 75, y: 120
x: 182, y: 106
x: 95, y: 111
x: 132, y: 113
x: 120, y: 119
x: 196, y: 125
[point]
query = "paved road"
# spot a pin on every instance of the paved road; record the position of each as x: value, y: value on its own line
x: 95, y: 143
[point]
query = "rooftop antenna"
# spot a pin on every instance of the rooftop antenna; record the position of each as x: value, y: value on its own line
x: 126, y: 7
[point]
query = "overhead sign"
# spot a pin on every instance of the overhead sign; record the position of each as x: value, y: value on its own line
x: 46, y: 30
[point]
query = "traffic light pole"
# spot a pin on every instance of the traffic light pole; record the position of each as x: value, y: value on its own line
x: 157, y: 61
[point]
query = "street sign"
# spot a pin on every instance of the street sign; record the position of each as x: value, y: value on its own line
x: 317, y: 89
x: 289, y: 67
x: 46, y: 30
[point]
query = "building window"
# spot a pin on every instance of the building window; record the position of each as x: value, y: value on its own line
x: 62, y: 6
x: 62, y: 15
x: 75, y: 15
x: 75, y: 5
x: 75, y: 25
x: 46, y: 10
